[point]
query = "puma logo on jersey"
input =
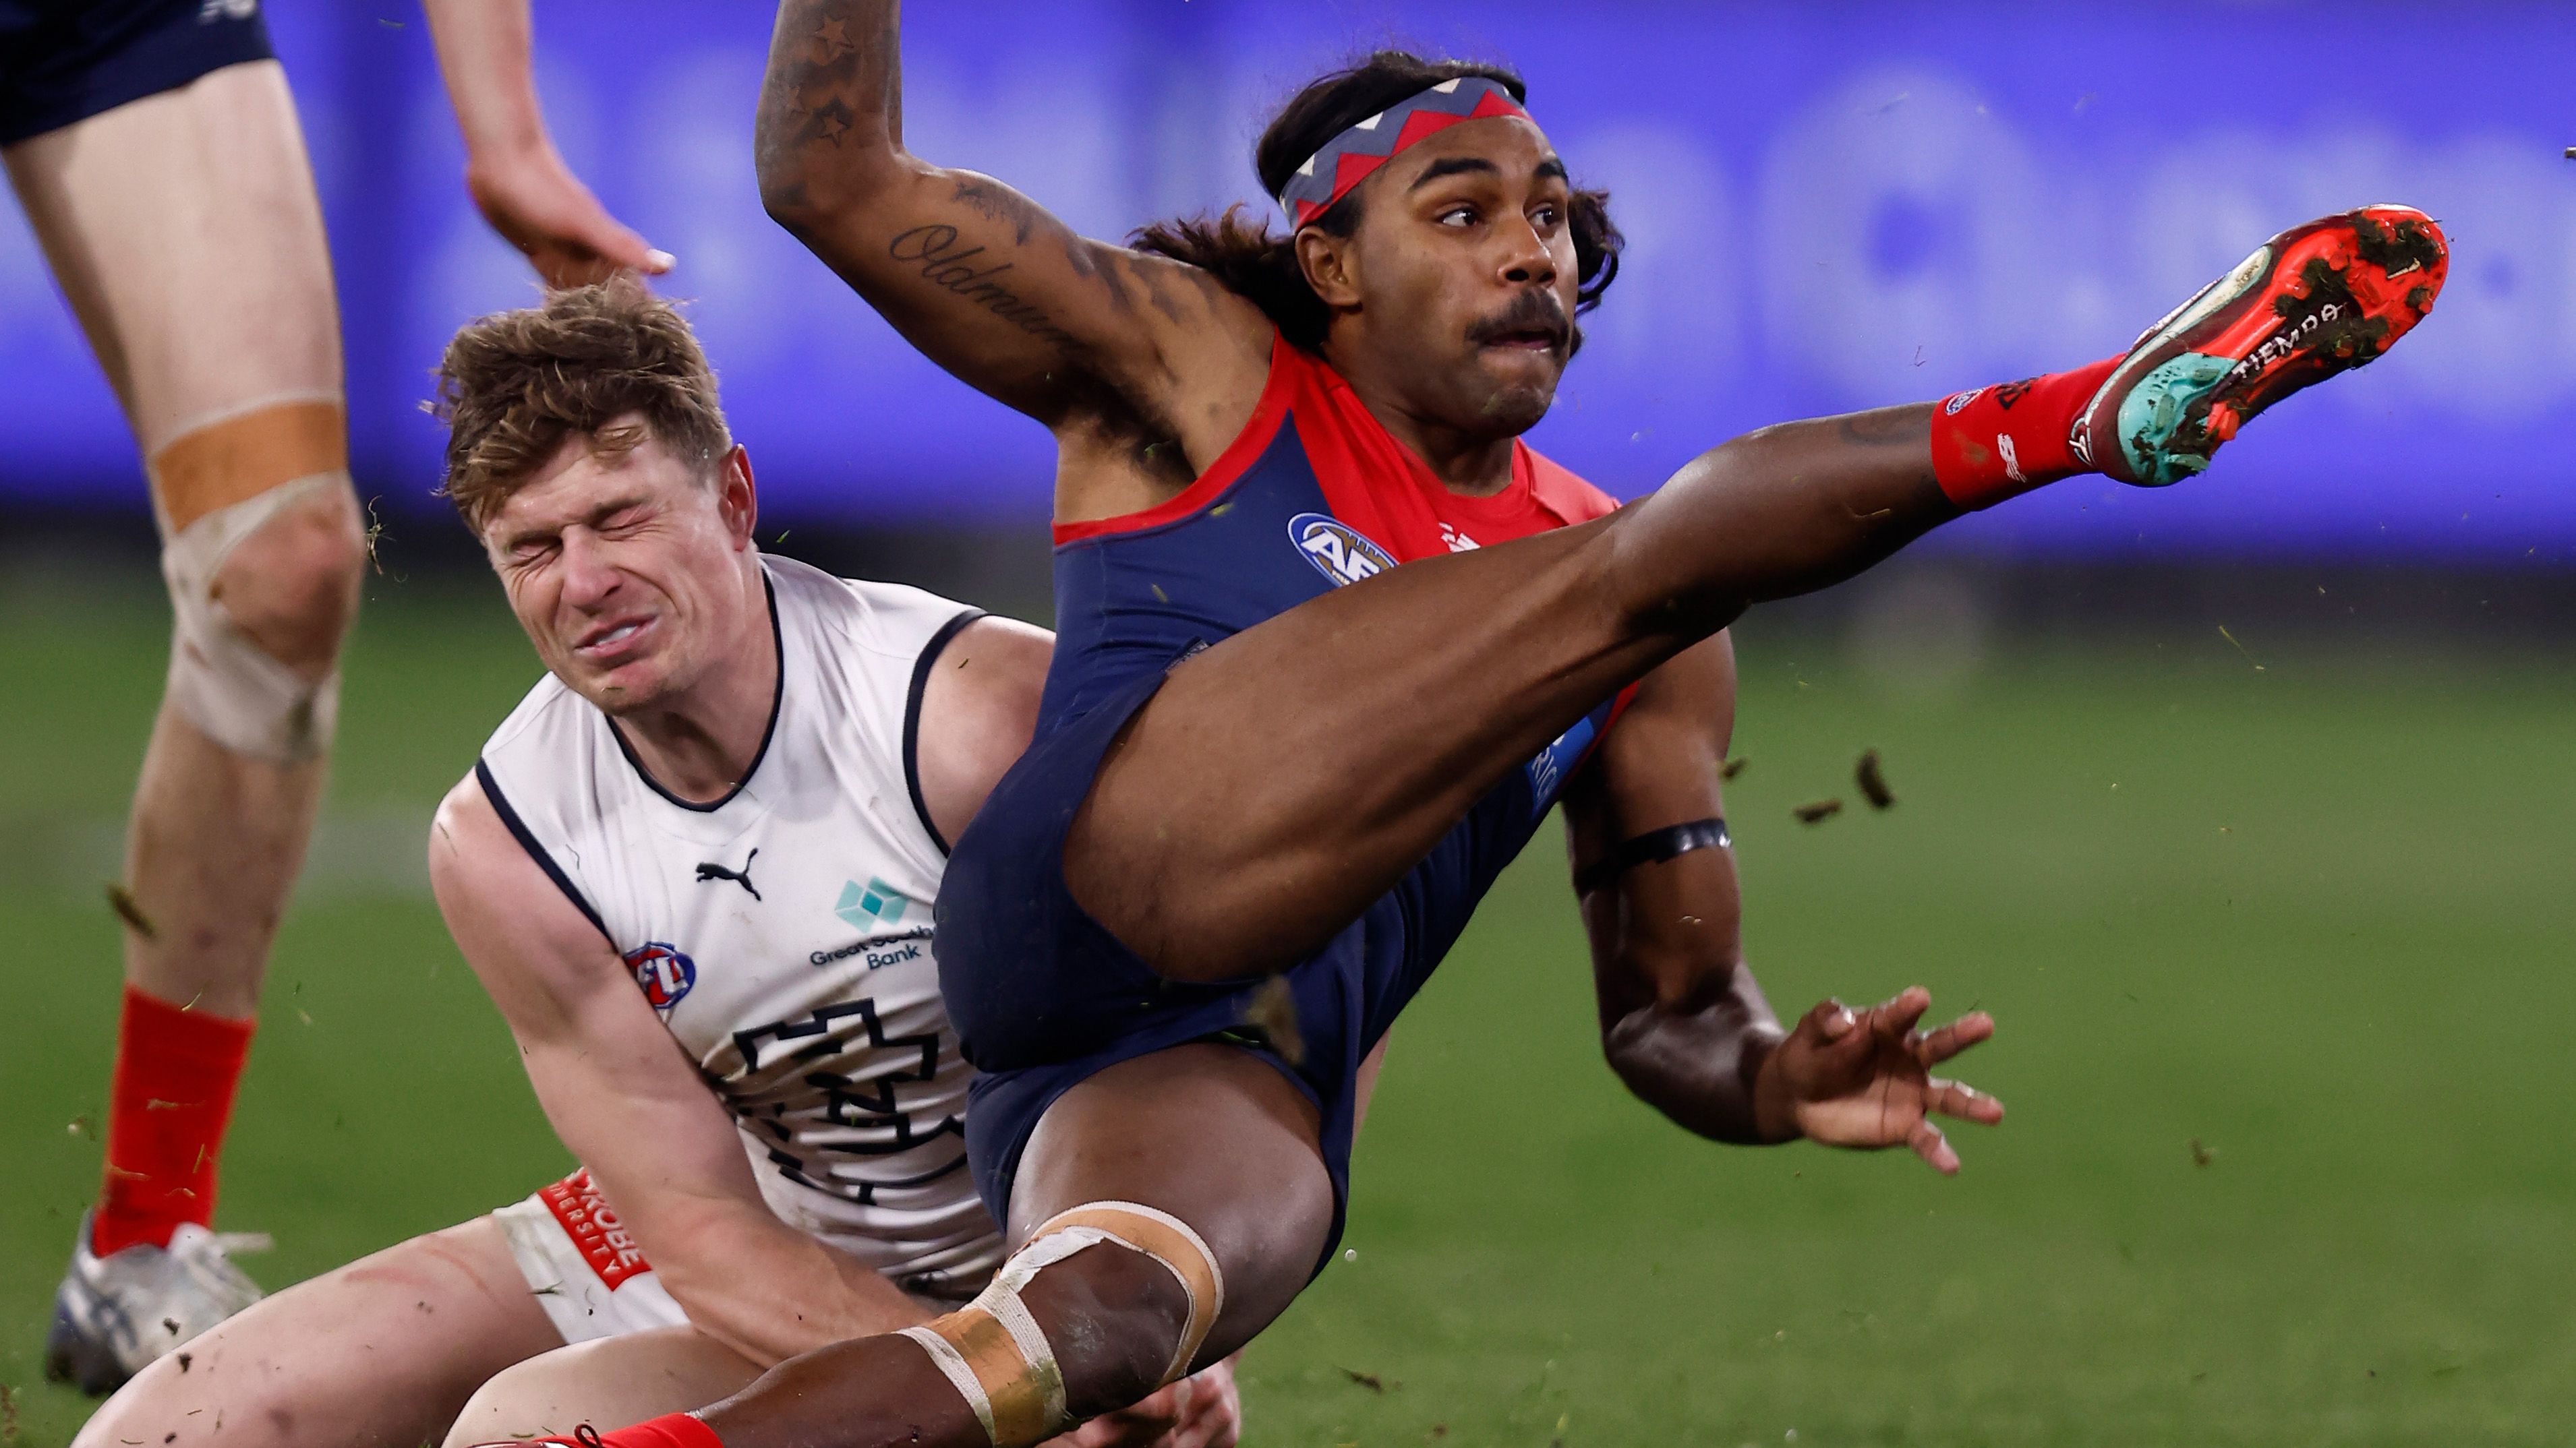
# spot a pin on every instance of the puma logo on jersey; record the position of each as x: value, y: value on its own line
x: 1339, y: 551
x: 709, y: 870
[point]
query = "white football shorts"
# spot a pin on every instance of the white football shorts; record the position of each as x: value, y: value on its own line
x: 583, y: 1265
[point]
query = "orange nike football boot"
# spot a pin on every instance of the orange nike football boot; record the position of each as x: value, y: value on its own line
x: 2314, y: 301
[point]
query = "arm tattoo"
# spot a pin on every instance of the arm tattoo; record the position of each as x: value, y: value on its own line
x: 955, y: 269
x: 831, y: 109
x: 1003, y: 205
x: 821, y: 84
x: 999, y: 203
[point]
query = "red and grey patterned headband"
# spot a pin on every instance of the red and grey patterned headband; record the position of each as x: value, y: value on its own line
x: 1350, y: 157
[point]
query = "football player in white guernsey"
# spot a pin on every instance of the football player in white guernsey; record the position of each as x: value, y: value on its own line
x: 694, y: 869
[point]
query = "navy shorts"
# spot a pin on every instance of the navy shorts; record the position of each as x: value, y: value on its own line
x: 68, y: 60
x: 1043, y: 996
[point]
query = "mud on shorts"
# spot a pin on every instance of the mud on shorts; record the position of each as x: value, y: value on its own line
x: 63, y: 61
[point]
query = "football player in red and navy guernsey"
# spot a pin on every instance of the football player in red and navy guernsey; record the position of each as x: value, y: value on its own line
x: 1332, y: 640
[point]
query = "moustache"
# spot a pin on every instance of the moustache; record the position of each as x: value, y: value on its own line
x: 1531, y: 311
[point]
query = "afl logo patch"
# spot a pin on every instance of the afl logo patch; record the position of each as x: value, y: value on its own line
x: 1340, y: 552
x: 663, y: 974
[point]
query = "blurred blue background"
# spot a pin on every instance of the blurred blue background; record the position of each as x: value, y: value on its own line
x: 1828, y: 207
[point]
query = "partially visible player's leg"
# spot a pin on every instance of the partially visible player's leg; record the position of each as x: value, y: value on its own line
x: 381, y: 1353
x: 1173, y: 1205
x: 608, y: 1384
x: 1282, y: 780
x: 184, y: 228
x: 1215, y: 1137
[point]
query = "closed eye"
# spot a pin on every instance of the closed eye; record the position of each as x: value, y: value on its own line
x: 625, y: 520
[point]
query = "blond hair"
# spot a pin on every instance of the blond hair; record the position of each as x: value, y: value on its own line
x: 514, y: 385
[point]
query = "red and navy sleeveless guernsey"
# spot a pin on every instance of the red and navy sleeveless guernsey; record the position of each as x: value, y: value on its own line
x: 1312, y: 494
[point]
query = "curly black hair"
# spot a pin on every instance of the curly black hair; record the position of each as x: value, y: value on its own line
x: 1241, y: 251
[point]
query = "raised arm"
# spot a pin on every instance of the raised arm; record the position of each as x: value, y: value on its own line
x: 1682, y: 1020
x: 512, y: 170
x: 633, y: 1109
x: 1074, y: 332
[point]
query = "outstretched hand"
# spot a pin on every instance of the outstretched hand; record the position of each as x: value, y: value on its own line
x: 540, y: 207
x: 1863, y: 1079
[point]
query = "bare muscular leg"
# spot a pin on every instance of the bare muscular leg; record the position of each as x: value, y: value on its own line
x: 1211, y: 1135
x: 1206, y: 1133
x: 185, y: 231
x: 381, y: 1353
x: 608, y: 1384
x: 1285, y: 778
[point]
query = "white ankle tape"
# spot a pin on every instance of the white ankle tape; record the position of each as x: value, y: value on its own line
x: 214, y: 485
x: 995, y: 1355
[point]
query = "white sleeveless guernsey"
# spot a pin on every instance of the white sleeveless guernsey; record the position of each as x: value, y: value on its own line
x: 783, y: 932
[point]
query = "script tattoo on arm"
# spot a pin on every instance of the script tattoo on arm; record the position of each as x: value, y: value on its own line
x: 962, y: 270
x: 982, y: 279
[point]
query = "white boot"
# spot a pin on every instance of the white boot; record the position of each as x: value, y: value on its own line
x: 115, y: 1314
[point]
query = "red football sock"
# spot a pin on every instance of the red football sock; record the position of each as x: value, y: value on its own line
x: 1997, y: 442
x: 167, y: 1107
x: 678, y: 1430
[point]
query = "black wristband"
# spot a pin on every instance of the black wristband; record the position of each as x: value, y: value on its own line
x: 1653, y: 848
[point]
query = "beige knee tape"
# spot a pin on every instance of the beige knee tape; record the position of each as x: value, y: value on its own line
x: 213, y: 486
x: 996, y: 1356
x: 1159, y: 1235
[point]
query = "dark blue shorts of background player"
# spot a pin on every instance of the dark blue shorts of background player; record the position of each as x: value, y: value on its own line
x: 63, y: 61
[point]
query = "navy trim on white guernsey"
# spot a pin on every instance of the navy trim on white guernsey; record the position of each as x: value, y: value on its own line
x: 813, y: 1011
x: 777, y: 696
x: 527, y: 841
x: 930, y: 653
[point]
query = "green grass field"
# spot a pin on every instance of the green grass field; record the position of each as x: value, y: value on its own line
x: 2279, y: 957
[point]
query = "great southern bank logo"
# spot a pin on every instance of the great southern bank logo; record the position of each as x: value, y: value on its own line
x: 875, y: 903
x: 663, y: 973
x: 1339, y: 551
